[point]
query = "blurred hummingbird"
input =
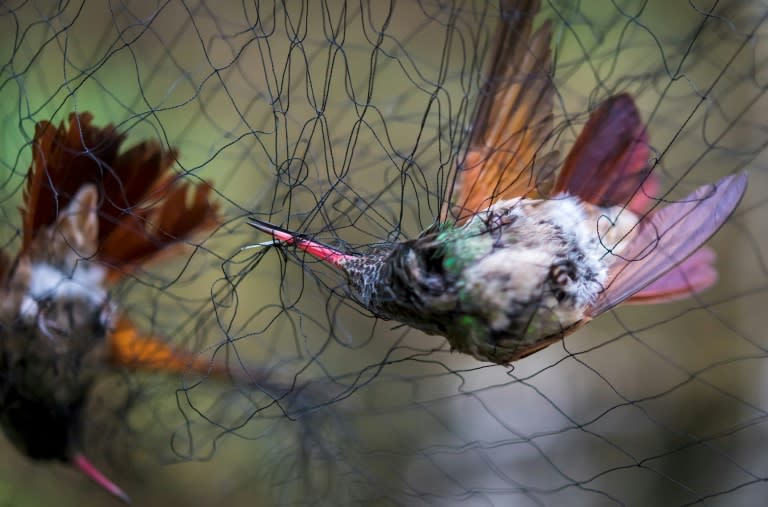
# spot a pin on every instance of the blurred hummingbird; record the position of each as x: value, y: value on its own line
x: 527, y: 254
x: 90, y: 216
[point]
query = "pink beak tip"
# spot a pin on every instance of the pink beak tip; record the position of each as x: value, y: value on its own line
x: 93, y: 473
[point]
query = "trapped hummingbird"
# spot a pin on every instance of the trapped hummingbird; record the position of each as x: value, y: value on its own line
x: 532, y: 248
x: 90, y: 216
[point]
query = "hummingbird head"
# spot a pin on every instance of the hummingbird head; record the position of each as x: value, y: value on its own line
x: 65, y: 305
x: 56, y: 306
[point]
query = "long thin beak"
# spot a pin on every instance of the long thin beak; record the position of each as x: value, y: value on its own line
x: 318, y: 250
x: 93, y: 473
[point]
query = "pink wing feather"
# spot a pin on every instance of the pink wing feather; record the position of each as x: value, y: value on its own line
x: 667, y: 238
x: 694, y: 274
x: 608, y: 163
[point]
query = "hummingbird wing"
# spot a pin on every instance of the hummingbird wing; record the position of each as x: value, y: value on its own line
x: 608, y: 166
x: 63, y: 160
x: 608, y: 163
x: 513, y: 118
x: 141, y: 208
x: 164, y: 219
x: 693, y: 275
x: 665, y: 239
x: 130, y: 349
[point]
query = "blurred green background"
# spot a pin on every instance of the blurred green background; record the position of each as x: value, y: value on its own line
x: 344, y: 120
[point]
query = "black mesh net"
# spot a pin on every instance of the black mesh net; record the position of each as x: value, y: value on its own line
x: 345, y: 122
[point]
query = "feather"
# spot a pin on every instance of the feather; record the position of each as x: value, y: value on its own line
x: 142, y: 209
x: 668, y: 237
x: 77, y: 228
x: 513, y: 119
x: 63, y: 160
x: 146, y: 233
x: 693, y: 275
x: 607, y: 165
x: 130, y: 349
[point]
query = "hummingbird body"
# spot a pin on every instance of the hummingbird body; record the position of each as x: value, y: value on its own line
x: 92, y: 214
x: 519, y: 275
x: 60, y: 331
x: 55, y: 345
x: 520, y: 271
x: 55, y: 320
x: 528, y: 248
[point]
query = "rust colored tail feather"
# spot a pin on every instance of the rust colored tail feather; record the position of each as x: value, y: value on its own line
x: 143, y: 208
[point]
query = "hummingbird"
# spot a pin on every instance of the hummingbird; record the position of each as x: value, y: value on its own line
x: 91, y: 215
x: 532, y: 249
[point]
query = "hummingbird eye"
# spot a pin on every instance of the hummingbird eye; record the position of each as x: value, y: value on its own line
x: 562, y: 273
x: 560, y: 276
